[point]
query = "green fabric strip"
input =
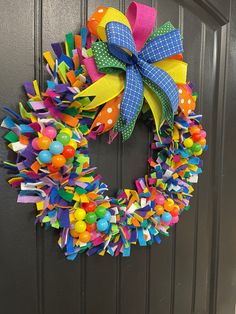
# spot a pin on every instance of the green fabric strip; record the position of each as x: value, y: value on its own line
x: 11, y: 137
x: 70, y: 43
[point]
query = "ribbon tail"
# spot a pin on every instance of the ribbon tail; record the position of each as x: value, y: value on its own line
x: 127, y: 130
x: 103, y: 90
x: 131, y: 104
x: 176, y: 69
x: 133, y: 94
x: 108, y: 115
x: 166, y: 110
x: 154, y: 104
x: 163, y: 81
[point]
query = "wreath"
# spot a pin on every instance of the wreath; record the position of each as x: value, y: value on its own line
x: 117, y: 70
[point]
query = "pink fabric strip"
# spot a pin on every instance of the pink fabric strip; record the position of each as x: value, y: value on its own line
x: 92, y: 69
x: 142, y: 20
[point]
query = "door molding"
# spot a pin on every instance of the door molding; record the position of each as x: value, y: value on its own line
x: 210, y: 13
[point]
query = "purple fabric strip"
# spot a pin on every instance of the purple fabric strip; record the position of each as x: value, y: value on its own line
x: 28, y: 199
x: 57, y: 49
x: 37, y: 105
x: 29, y: 88
x: 61, y: 88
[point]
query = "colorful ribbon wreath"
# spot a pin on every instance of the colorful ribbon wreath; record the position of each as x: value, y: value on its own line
x: 120, y: 64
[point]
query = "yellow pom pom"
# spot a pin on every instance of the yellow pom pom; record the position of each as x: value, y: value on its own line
x: 198, y: 153
x: 73, y: 143
x: 80, y: 226
x: 80, y: 214
x: 188, y: 142
x: 66, y: 130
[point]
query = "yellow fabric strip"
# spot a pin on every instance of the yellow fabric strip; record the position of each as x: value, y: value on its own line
x: 48, y: 57
x: 67, y: 49
x: 36, y: 88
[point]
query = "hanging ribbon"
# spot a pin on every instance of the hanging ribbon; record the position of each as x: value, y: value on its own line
x: 148, y: 72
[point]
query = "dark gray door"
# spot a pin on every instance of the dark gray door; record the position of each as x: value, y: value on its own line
x: 194, y: 271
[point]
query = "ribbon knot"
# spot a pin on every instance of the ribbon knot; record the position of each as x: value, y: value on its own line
x: 128, y: 45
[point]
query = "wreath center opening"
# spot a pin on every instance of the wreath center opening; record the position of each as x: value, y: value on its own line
x: 119, y: 163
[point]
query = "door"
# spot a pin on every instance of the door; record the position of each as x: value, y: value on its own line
x: 187, y: 273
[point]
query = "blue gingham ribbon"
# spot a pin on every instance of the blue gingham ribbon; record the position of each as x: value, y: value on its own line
x: 138, y: 65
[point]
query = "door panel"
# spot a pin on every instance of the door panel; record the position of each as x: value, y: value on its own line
x: 226, y: 223
x: 18, y: 262
x: 185, y: 245
x: 181, y: 274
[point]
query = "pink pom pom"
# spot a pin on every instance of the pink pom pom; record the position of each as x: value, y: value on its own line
x: 35, y: 143
x: 160, y: 199
x: 203, y: 133
x: 175, y: 219
x: 50, y: 132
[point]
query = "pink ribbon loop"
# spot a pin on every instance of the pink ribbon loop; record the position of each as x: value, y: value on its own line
x: 142, y: 21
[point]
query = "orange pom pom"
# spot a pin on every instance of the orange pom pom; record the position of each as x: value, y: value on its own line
x: 52, y: 168
x: 44, y: 142
x: 58, y: 161
x: 168, y: 206
x: 74, y: 233
x: 84, y: 236
x: 159, y: 209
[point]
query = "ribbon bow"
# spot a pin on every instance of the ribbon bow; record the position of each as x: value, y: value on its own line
x: 127, y: 46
